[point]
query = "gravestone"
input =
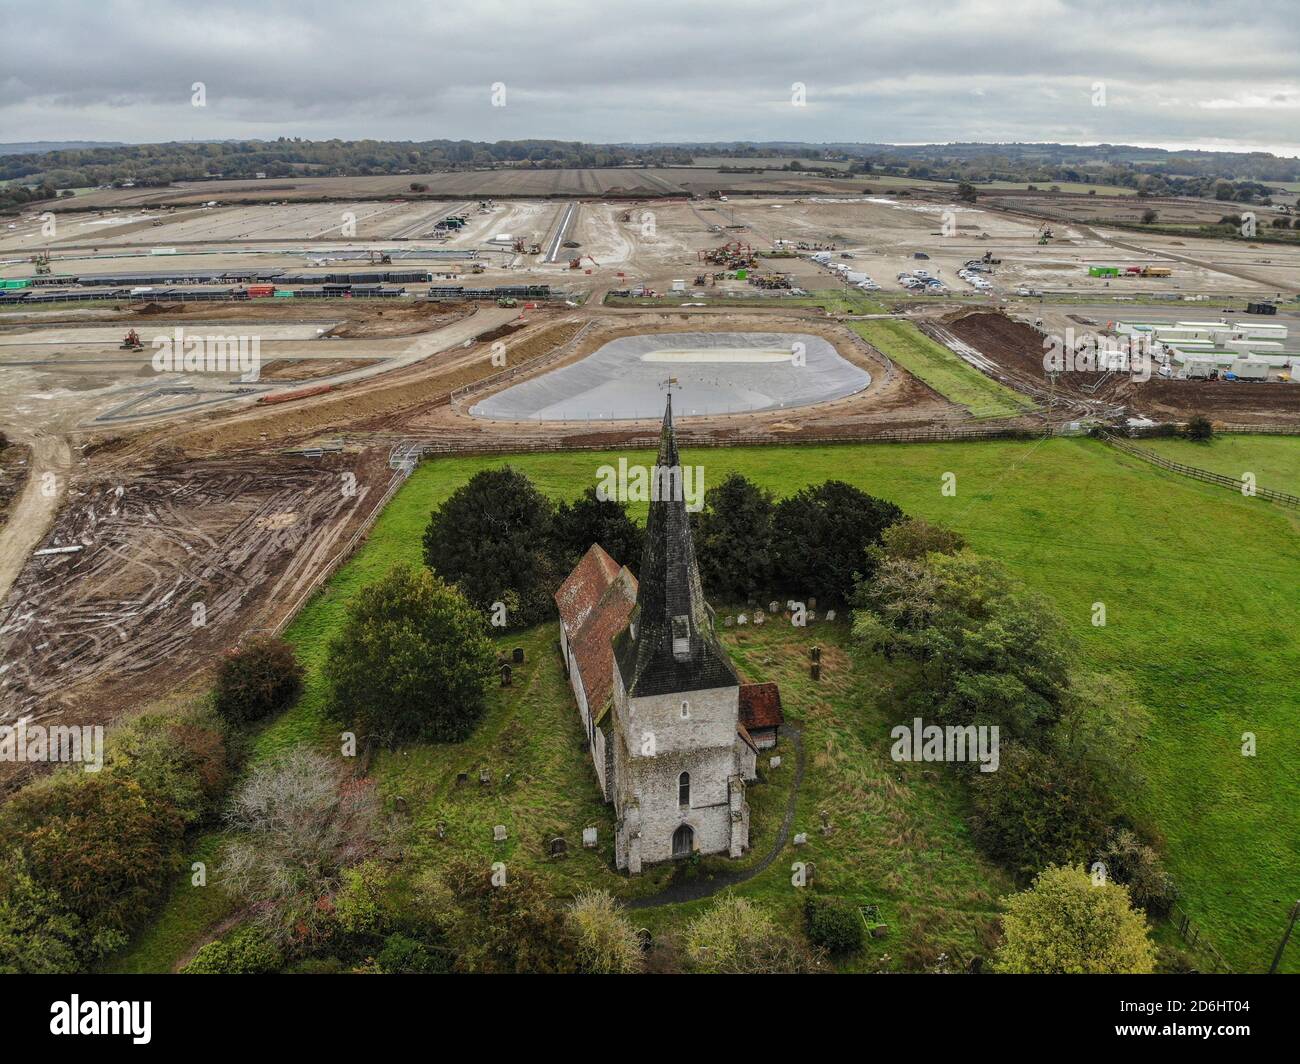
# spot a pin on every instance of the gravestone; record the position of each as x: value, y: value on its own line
x: 760, y: 617
x: 801, y: 839
x: 441, y: 829
x: 773, y: 606
x: 559, y: 847
x: 645, y: 939
x: 774, y: 762
x: 815, y: 652
x: 505, y: 675
x: 499, y: 833
x: 812, y: 602
x: 518, y: 655
x: 742, y: 619
x: 830, y: 615
x: 399, y: 803
x: 589, y: 838
x: 729, y: 622
x: 816, y: 670
x: 811, y: 616
x: 462, y: 778
x: 826, y: 823
x: 484, y: 778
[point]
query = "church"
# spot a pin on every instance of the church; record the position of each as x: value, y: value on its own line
x: 667, y: 720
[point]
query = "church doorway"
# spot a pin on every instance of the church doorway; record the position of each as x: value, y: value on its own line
x: 683, y: 841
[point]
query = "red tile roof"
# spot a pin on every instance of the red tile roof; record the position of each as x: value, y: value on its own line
x: 583, y: 588
x: 593, y: 645
x: 760, y: 706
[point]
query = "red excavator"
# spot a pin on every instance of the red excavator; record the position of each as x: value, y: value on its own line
x: 131, y: 342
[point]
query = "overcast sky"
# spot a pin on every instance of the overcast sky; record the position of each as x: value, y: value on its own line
x: 1215, y: 75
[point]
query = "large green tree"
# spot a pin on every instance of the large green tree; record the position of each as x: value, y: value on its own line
x: 733, y: 539
x: 822, y: 535
x: 1067, y: 924
x: 411, y: 661
x: 590, y: 519
x: 494, y: 539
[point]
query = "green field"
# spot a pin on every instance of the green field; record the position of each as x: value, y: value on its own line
x: 1199, y: 589
x: 832, y: 300
x: 1275, y: 460
x: 942, y: 370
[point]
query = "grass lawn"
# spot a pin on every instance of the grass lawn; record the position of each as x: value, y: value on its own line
x: 833, y: 301
x: 1275, y: 460
x: 941, y: 369
x: 1201, y: 619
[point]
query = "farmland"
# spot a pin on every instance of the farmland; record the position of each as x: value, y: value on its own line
x: 1206, y: 651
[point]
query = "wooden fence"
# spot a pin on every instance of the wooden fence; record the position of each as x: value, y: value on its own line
x: 1282, y: 498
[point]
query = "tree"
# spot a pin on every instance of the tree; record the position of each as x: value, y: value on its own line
x: 821, y: 536
x: 590, y: 519
x: 492, y: 537
x: 607, y: 941
x: 1037, y: 809
x: 736, y: 937
x: 1066, y: 924
x: 1131, y: 861
x: 295, y: 825
x: 913, y: 538
x: 989, y: 651
x: 410, y: 662
x: 966, y: 192
x: 1149, y: 215
x: 733, y: 539
x: 257, y: 679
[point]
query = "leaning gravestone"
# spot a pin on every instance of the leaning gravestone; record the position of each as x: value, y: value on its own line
x: 774, y: 762
x: 830, y: 615
x: 462, y: 778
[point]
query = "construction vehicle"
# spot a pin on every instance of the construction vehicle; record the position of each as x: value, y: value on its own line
x: 576, y: 264
x: 1045, y: 233
x: 507, y: 301
x: 523, y: 248
x: 42, y: 263
x: 380, y: 258
x: 131, y: 342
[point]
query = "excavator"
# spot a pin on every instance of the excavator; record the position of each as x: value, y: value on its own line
x: 42, y: 263
x: 576, y: 264
x: 380, y: 258
x: 131, y: 342
x: 1045, y: 233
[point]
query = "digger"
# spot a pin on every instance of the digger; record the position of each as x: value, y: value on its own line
x: 131, y: 342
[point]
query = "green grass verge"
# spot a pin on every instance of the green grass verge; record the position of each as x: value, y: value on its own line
x: 942, y: 370
x: 1274, y: 460
x: 1201, y: 619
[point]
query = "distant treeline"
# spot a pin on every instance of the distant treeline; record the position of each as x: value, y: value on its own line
x: 1228, y: 176
x: 161, y: 164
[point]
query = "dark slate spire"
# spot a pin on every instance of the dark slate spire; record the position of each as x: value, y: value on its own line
x: 669, y: 644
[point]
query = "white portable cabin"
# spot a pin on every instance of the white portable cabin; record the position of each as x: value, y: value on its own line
x: 1250, y: 369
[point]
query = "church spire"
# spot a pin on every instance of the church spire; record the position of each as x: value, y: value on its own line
x: 669, y: 644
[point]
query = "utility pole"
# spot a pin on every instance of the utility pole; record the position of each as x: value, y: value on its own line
x: 1277, y: 957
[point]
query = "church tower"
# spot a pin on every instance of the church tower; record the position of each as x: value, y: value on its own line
x: 680, y: 757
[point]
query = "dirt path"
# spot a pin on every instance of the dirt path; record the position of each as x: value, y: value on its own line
x: 34, y: 510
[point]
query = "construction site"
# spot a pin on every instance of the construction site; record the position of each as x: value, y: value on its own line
x: 210, y: 391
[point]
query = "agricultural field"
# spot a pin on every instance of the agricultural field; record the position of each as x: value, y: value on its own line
x: 1210, y: 654
x: 1273, y: 460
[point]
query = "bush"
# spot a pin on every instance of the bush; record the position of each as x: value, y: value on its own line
x: 607, y: 942
x: 1199, y: 428
x: 181, y: 762
x: 737, y: 937
x: 410, y: 663
x: 407, y: 956
x: 1130, y: 861
x: 834, y: 924
x: 246, y: 951
x: 257, y: 679
x: 1037, y: 809
x: 1067, y: 925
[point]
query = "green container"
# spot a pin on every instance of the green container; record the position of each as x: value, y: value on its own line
x: 741, y: 274
x: 15, y: 284
x: 280, y: 294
